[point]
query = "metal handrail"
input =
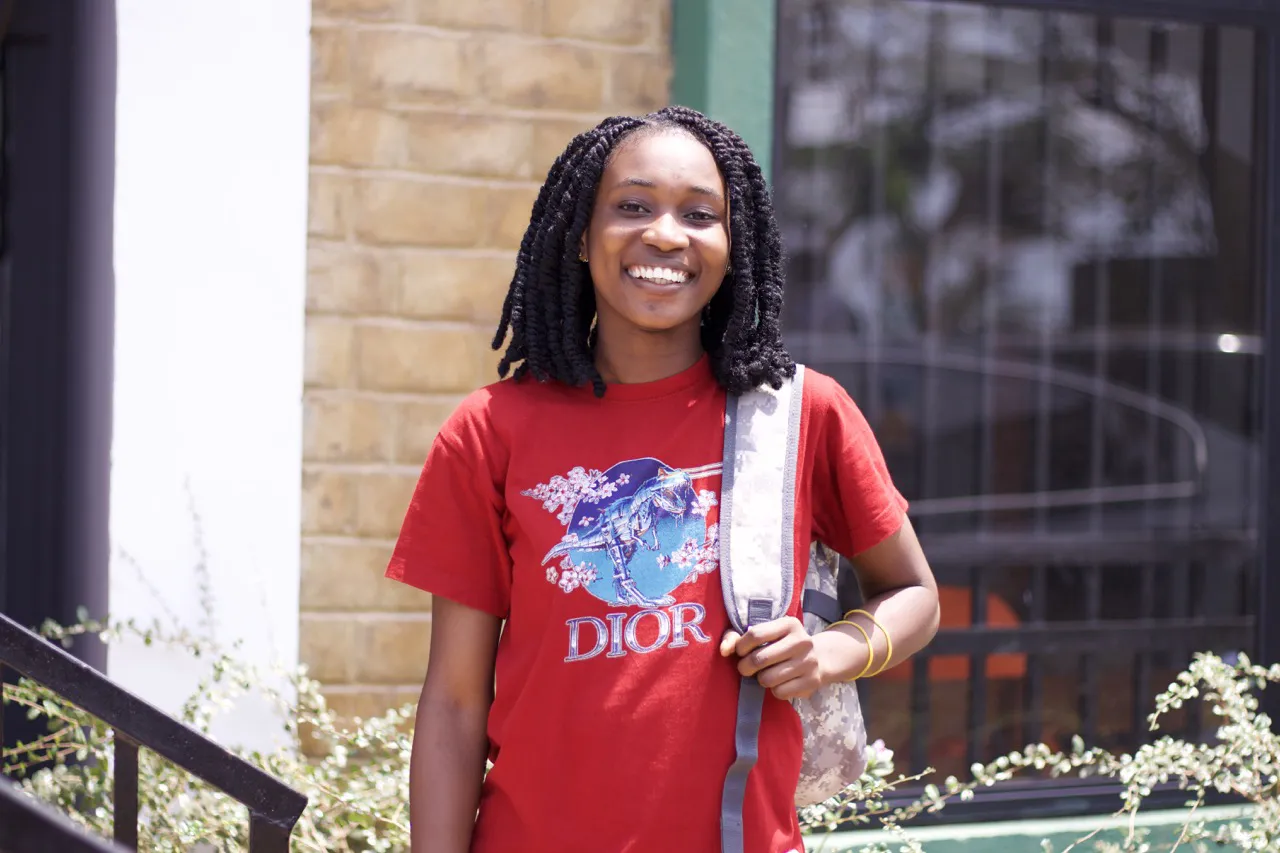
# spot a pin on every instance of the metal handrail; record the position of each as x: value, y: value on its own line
x: 26, y: 824
x: 274, y: 808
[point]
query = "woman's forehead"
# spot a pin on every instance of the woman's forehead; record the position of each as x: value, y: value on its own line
x: 664, y: 157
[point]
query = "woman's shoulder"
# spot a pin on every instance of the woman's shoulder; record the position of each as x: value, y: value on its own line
x: 824, y: 394
x: 495, y: 409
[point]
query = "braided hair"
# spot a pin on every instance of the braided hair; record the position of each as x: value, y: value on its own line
x: 551, y: 305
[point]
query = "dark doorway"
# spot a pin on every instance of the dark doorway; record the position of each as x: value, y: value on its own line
x: 57, y: 102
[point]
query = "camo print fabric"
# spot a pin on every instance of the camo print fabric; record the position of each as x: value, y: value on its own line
x: 835, y: 735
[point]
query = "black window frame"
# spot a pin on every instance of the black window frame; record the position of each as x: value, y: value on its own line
x: 1075, y: 797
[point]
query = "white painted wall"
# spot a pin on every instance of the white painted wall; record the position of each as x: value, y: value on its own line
x: 210, y: 249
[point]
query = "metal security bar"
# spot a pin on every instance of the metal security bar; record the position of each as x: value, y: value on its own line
x: 274, y: 808
x: 1026, y: 237
x: 26, y: 825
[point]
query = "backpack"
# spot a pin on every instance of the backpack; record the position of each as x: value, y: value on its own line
x: 757, y: 549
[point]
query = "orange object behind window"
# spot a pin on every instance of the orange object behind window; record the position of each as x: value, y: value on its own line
x: 957, y: 612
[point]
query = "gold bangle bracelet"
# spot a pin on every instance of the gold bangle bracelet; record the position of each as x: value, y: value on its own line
x: 888, y: 639
x: 871, y: 652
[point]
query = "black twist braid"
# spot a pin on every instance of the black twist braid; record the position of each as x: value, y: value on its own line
x: 550, y: 306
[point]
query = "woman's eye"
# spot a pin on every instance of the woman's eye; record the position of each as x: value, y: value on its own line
x: 704, y: 216
x: 631, y: 207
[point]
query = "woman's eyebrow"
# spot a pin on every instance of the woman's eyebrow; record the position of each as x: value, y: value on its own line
x: 698, y: 189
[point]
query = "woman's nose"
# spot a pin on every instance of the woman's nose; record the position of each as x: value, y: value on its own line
x: 666, y: 234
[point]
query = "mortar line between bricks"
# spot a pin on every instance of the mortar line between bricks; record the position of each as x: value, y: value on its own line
x: 361, y: 468
x: 399, y: 321
x: 365, y: 616
x: 360, y: 394
x: 391, y: 321
x: 423, y: 177
x: 358, y: 243
x: 470, y: 33
x: 335, y: 539
x: 489, y: 110
x: 362, y: 687
x: 469, y: 253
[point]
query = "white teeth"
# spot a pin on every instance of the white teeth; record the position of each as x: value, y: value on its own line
x: 660, y: 275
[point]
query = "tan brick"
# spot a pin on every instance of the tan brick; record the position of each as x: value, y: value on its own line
x: 660, y: 35
x: 420, y: 213
x: 328, y: 502
x: 330, y: 61
x: 369, y: 701
x: 343, y: 279
x: 511, y: 209
x: 329, y: 353
x: 362, y: 10
x: 420, y: 358
x: 441, y: 286
x: 345, y: 577
x: 347, y: 429
x: 639, y: 83
x: 551, y: 138
x: 349, y: 135
x: 393, y: 650
x: 512, y: 15
x: 416, y: 427
x: 620, y: 21
x: 413, y: 66
x: 326, y: 647
x: 543, y: 75
x: 472, y: 145
x: 381, y: 501
x: 328, y: 205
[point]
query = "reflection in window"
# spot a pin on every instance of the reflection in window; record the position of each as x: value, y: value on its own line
x: 1025, y: 242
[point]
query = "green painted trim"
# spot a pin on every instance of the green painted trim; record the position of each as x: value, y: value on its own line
x: 723, y: 53
x: 1025, y: 836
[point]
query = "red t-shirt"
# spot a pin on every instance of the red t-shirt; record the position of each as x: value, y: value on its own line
x: 590, y: 525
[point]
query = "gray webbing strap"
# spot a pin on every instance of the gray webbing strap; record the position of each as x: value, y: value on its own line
x: 825, y: 607
x: 746, y: 742
x: 751, y: 696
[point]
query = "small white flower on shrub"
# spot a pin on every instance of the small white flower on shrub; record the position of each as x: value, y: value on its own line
x: 358, y: 787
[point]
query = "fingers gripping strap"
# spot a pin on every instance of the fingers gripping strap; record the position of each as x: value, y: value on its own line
x: 746, y: 741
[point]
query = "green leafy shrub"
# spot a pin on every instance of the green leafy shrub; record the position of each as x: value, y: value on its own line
x: 358, y: 787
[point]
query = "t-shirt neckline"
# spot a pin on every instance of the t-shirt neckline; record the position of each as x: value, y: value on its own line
x: 699, y: 373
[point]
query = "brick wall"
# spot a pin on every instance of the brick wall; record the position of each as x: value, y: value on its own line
x: 432, y: 125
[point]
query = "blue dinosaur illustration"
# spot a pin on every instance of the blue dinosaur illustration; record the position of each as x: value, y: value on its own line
x: 623, y: 527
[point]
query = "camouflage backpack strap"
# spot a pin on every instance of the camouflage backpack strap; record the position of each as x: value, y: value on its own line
x: 835, y: 733
x: 757, y: 551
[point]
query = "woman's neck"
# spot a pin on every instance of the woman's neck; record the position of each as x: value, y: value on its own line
x: 637, y: 356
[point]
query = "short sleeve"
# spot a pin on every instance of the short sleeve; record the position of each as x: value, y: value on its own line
x: 855, y: 503
x: 452, y: 543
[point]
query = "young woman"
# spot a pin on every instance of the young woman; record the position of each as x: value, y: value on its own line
x: 577, y: 502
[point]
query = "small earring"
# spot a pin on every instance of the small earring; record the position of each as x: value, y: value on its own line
x: 582, y: 256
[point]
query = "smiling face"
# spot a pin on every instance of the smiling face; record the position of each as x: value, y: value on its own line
x: 658, y: 240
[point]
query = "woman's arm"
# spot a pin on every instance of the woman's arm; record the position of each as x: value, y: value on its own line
x: 450, y: 740
x: 900, y: 592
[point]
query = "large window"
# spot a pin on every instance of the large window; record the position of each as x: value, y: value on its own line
x: 1027, y: 242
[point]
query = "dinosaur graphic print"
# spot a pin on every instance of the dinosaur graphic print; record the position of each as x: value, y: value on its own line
x: 634, y: 533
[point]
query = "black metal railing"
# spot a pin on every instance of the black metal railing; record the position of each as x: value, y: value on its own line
x: 26, y: 825
x: 274, y: 808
